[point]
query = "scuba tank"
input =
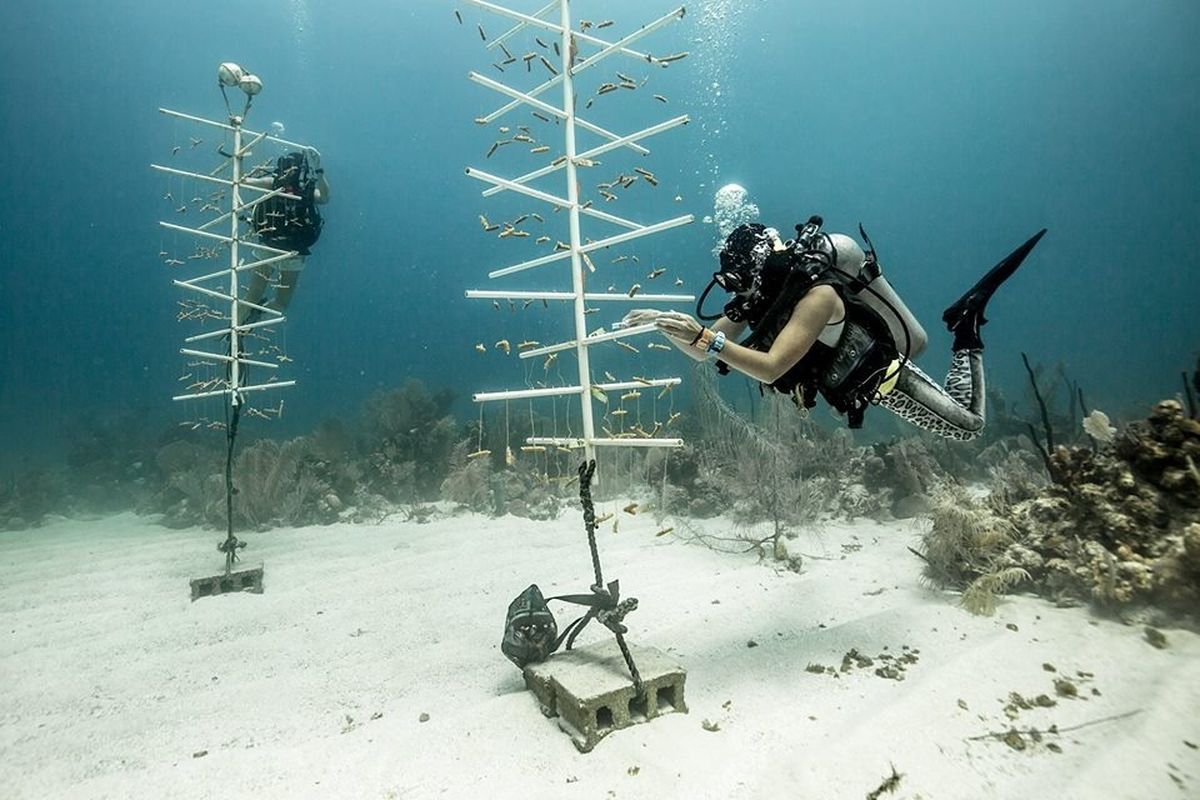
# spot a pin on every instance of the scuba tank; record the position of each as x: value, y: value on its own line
x: 862, y: 277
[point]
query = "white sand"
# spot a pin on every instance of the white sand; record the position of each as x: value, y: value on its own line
x: 113, y: 679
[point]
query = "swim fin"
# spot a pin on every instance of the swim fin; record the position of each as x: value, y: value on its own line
x: 965, y: 317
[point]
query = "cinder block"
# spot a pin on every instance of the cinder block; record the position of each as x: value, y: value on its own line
x: 591, y: 693
x: 242, y: 580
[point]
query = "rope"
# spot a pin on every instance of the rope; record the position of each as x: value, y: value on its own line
x: 607, y: 606
x: 586, y: 470
x: 231, y: 544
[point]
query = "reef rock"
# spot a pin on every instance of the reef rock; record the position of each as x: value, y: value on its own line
x: 1122, y: 524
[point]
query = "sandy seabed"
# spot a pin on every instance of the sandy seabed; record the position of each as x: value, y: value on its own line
x: 116, y: 685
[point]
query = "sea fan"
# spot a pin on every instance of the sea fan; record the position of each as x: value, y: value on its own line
x: 1098, y: 426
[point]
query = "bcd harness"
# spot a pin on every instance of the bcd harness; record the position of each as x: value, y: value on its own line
x: 865, y: 362
x: 284, y: 222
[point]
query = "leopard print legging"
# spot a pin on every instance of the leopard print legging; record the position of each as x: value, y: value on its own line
x: 954, y: 412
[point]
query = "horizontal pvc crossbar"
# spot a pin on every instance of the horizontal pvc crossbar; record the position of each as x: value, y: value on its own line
x: 183, y: 173
x: 227, y: 127
x: 490, y: 294
x: 241, y: 329
x: 599, y: 338
x: 227, y: 359
x: 589, y: 62
x: 226, y: 298
x: 537, y: 194
x: 599, y: 245
x: 550, y: 26
x: 535, y: 262
x: 559, y: 391
x: 596, y: 151
x: 620, y: 44
x: 520, y: 26
x: 505, y: 89
x: 647, y: 230
x: 258, y: 387
x: 240, y: 268
x: 226, y: 239
x: 603, y: 442
x: 524, y: 394
x: 592, y: 211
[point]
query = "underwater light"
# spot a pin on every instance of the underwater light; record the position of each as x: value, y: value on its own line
x: 230, y: 74
x: 250, y: 84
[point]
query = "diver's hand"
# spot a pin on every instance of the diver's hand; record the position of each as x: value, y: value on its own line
x: 640, y: 316
x: 679, y: 326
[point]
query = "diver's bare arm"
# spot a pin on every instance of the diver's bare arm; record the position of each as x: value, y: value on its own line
x: 812, y: 314
x: 732, y: 330
x: 321, y: 192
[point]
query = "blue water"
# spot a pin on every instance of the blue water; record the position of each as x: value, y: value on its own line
x: 952, y: 130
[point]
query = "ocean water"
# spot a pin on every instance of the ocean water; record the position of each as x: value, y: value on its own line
x: 952, y: 130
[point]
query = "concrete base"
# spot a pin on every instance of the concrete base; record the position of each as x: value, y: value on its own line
x: 591, y: 693
x: 240, y: 580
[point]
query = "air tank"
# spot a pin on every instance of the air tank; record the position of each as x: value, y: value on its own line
x: 879, y: 295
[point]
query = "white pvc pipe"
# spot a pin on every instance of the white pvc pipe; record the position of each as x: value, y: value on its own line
x: 560, y: 391
x: 577, y: 279
x: 599, y: 150
x: 240, y: 268
x: 258, y: 387
x: 479, y: 174
x: 612, y: 219
x: 646, y: 231
x: 490, y: 294
x: 520, y: 26
x: 524, y: 265
x: 549, y: 109
x: 563, y: 441
x: 524, y: 394
x: 589, y: 340
x: 228, y: 127
x: 186, y: 174
x: 624, y: 386
x: 226, y: 239
x: 620, y: 44
x: 249, y: 326
x: 550, y: 26
x: 608, y: 50
x: 227, y: 359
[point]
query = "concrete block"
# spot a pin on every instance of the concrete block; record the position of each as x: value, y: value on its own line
x: 241, y: 580
x: 590, y: 691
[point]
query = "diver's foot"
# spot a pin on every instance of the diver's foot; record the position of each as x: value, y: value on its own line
x: 965, y: 317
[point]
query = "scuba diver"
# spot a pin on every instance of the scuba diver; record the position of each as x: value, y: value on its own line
x: 823, y: 320
x: 286, y: 224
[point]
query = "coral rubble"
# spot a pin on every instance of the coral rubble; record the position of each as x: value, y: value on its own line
x: 1119, y: 527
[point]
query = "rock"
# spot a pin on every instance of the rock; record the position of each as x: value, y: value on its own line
x: 914, y: 505
x: 333, y: 501
x: 423, y: 718
x: 1155, y: 637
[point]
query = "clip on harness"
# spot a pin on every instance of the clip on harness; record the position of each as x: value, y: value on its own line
x: 530, y: 630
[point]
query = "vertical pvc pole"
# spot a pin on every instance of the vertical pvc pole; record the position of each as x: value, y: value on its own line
x: 581, y: 351
x: 234, y: 312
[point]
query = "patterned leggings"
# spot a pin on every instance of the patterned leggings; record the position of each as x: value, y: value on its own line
x: 955, y: 412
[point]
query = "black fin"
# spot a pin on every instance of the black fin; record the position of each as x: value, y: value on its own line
x: 964, y: 318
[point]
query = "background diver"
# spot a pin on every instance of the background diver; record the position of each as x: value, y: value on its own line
x: 823, y: 319
x: 286, y: 224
